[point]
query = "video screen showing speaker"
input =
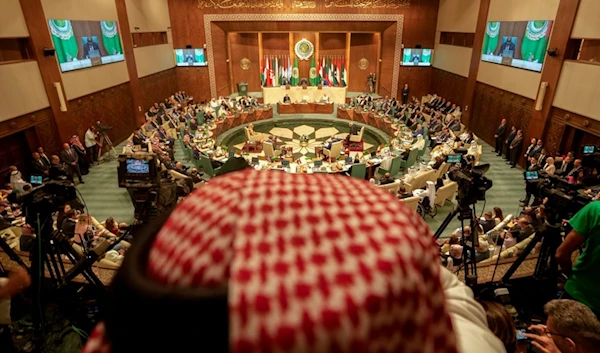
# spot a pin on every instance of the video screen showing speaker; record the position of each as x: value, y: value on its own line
x: 417, y: 57
x: 190, y: 57
x: 83, y: 44
x: 520, y: 44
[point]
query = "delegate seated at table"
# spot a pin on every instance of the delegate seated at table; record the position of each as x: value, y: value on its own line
x: 287, y: 99
x: 324, y: 98
x: 329, y: 143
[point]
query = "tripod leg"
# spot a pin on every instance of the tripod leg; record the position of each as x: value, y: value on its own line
x: 445, y: 223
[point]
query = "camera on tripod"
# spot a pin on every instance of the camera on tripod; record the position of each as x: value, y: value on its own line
x: 472, y: 184
x: 102, y: 128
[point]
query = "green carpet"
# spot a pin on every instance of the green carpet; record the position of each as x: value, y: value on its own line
x: 105, y: 199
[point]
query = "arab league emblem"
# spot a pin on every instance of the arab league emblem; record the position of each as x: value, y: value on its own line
x: 295, y: 73
x: 304, y: 49
x: 245, y: 63
x: 363, y: 64
x: 313, y: 72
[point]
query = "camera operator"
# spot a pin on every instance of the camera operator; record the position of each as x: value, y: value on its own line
x: 571, y: 328
x: 531, y: 185
x: 584, y: 278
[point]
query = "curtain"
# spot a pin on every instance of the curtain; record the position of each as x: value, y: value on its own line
x: 65, y: 42
x: 490, y: 41
x: 535, y: 41
x: 110, y: 37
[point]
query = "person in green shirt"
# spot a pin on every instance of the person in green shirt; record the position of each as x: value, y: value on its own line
x: 583, y: 284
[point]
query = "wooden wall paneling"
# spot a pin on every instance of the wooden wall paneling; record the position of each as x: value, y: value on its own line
x: 347, y: 56
x: 15, y: 152
x: 156, y: 87
x: 39, y: 37
x: 384, y: 76
x: 260, y: 45
x: 332, y: 44
x: 195, y: 81
x: 276, y: 43
x: 491, y: 105
x: 568, y: 131
x: 561, y: 33
x: 134, y: 81
x: 418, y: 79
x: 229, y: 62
x: 23, y: 122
x: 48, y: 139
x: 303, y: 26
x: 291, y: 43
x: 484, y: 6
x: 420, y: 22
x: 304, y: 65
x: 220, y: 60
x: 111, y: 106
x: 362, y: 45
x: 448, y: 85
x: 245, y: 45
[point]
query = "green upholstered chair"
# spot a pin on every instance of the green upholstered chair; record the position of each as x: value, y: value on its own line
x: 196, y: 163
x: 188, y: 153
x: 200, y: 117
x: 410, y: 161
x: 395, y: 165
x: 206, y: 166
x: 381, y: 171
x: 358, y: 171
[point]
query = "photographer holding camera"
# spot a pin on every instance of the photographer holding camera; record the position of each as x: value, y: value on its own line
x: 571, y: 328
x: 582, y: 284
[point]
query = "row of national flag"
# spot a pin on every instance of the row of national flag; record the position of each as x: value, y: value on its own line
x: 278, y: 70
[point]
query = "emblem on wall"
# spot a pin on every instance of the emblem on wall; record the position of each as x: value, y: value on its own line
x: 245, y: 63
x: 363, y: 64
x: 304, y: 49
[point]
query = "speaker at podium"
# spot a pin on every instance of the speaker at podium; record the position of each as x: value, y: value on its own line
x: 242, y: 88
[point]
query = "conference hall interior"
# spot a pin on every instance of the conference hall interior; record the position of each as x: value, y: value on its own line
x: 300, y: 176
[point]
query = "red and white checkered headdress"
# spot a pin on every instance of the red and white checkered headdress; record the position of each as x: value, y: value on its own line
x: 313, y: 263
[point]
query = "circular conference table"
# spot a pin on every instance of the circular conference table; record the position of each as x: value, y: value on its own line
x: 207, y: 141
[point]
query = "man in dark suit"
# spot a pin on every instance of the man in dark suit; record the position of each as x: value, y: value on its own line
x: 69, y: 156
x: 499, y: 136
x: 58, y: 170
x: 39, y: 166
x: 563, y: 168
x: 576, y: 168
x: 90, y: 46
x: 531, y: 185
x: 511, y: 136
x: 44, y: 157
x: 515, y: 147
x: 287, y: 99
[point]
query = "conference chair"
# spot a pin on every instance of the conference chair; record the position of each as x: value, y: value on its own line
x: 358, y: 171
x: 335, y: 151
x: 395, y: 165
x: 207, y: 166
x: 446, y: 192
x: 442, y: 170
x: 269, y: 150
x: 392, y: 188
x: 359, y: 137
x: 200, y: 117
x: 251, y: 138
x: 410, y: 161
x: 412, y: 202
x: 420, y: 180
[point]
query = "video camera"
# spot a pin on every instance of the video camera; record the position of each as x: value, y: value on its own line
x: 564, y: 200
x: 102, y: 128
x: 46, y: 199
x: 472, y: 184
x: 139, y: 170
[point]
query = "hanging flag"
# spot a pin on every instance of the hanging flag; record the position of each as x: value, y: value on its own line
x: 314, y: 78
x: 289, y: 69
x: 319, y: 77
x: 321, y: 70
x: 281, y: 71
x: 270, y: 72
x: 329, y: 71
x: 276, y: 78
x: 344, y: 73
x: 336, y: 73
x: 295, y: 73
x: 262, y: 71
